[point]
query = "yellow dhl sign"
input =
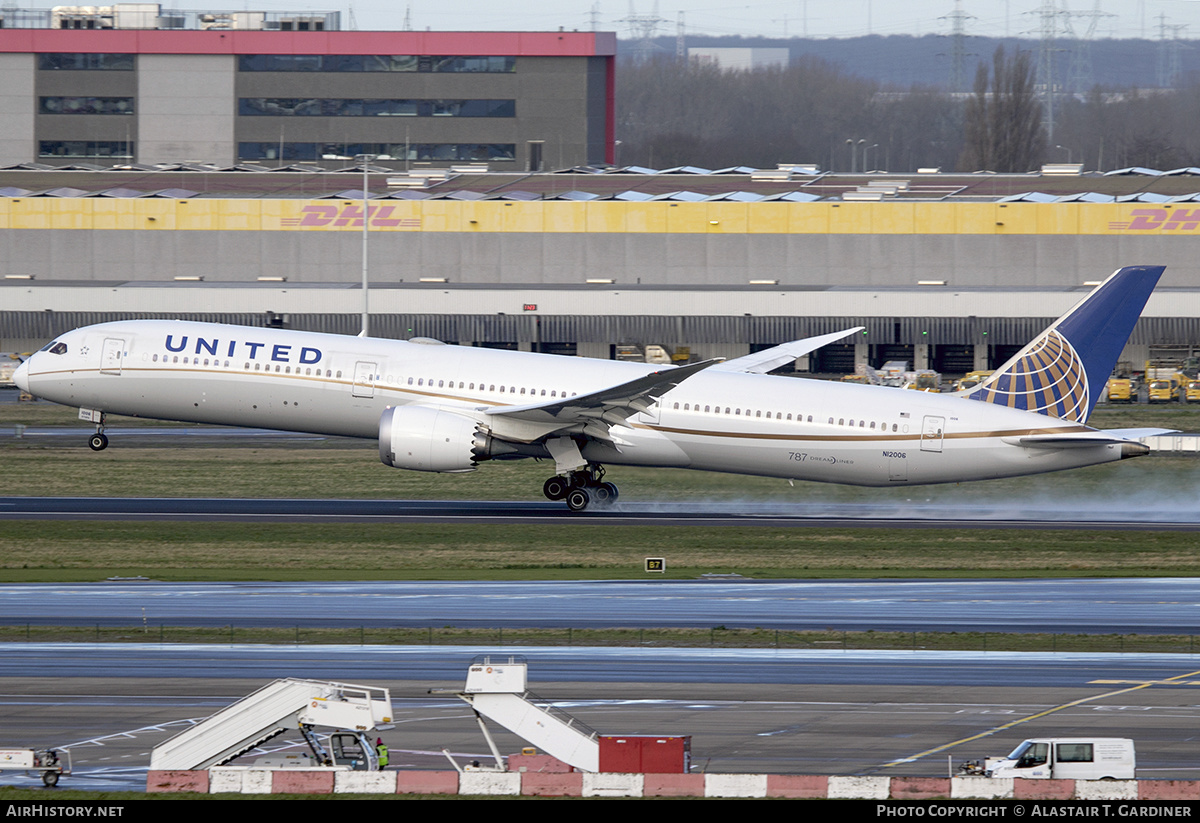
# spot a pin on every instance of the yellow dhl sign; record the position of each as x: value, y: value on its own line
x: 609, y: 216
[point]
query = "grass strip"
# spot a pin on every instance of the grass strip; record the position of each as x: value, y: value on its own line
x: 649, y: 637
x: 51, y: 551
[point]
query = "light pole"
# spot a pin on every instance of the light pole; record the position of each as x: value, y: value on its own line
x: 365, y: 159
x: 1068, y: 151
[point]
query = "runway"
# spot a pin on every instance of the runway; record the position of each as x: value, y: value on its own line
x: 815, y: 711
x: 1142, y: 606
x: 824, y: 711
x: 730, y: 513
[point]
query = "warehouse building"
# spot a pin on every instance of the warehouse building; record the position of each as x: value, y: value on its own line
x: 949, y: 272
x: 133, y: 83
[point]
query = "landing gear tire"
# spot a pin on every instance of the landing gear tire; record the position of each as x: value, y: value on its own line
x: 578, y: 499
x: 98, y: 442
x: 601, y: 494
x: 582, y: 488
x: 556, y: 488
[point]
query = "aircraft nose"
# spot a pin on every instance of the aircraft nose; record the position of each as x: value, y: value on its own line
x: 21, y: 376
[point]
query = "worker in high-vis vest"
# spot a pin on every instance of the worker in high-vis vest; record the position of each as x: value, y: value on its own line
x: 381, y: 751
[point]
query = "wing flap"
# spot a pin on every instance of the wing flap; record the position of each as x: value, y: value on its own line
x: 594, y: 414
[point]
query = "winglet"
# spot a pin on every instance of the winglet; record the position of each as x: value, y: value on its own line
x: 1060, y: 374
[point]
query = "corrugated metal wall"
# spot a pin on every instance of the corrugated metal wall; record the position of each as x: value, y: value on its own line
x: 1004, y: 331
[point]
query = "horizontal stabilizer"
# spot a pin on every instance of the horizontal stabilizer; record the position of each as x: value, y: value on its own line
x: 764, y: 361
x: 1065, y: 441
x: 1137, y: 434
x: 1084, y: 440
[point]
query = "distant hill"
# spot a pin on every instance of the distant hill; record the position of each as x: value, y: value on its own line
x: 903, y: 61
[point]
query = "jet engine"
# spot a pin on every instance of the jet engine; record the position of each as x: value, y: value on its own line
x: 428, y: 439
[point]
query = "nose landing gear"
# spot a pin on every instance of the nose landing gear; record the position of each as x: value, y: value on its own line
x: 582, y: 488
x: 98, y: 441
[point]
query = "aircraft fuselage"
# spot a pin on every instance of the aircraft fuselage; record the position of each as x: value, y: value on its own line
x: 714, y: 420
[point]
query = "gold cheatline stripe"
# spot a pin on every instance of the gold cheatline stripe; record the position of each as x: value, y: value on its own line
x: 870, y: 437
x: 842, y: 438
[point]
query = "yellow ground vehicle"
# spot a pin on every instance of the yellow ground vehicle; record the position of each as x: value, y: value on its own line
x: 1192, y: 388
x: 1121, y: 390
x: 972, y: 379
x: 1163, y: 390
x: 923, y: 380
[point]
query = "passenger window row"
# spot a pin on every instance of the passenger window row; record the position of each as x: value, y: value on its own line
x: 799, y: 418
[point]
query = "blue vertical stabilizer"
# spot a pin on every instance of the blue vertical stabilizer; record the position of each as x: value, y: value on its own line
x: 1063, y: 371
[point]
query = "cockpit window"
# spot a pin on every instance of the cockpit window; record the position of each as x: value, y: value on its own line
x: 56, y: 347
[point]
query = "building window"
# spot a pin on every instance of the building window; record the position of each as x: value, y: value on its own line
x: 85, y: 148
x: 318, y: 107
x: 453, y: 152
x: 85, y: 105
x: 375, y: 63
x: 85, y: 62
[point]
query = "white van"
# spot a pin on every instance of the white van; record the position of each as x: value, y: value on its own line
x: 1067, y: 758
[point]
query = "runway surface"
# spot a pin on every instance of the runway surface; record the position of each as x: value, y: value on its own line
x: 908, y: 515
x: 1144, y: 606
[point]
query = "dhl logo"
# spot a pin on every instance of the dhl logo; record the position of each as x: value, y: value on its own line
x: 1160, y: 220
x: 349, y: 214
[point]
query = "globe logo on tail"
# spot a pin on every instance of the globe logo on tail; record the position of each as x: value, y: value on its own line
x: 1048, y: 378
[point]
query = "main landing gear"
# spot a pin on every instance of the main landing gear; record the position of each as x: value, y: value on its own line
x: 582, y: 488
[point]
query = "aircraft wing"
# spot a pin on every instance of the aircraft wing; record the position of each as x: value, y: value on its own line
x: 600, y: 410
x: 764, y: 361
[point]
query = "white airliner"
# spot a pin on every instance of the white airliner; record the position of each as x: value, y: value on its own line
x: 443, y: 408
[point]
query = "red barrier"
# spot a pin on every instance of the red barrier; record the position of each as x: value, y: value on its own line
x: 409, y: 782
x: 160, y: 780
x: 1169, y: 790
x: 552, y: 784
x: 673, y: 785
x: 299, y: 781
x: 797, y: 785
x: 920, y: 788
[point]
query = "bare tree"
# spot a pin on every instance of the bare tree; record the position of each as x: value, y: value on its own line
x: 1003, y: 128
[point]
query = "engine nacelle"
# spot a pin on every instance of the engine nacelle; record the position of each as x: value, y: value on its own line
x: 426, y: 439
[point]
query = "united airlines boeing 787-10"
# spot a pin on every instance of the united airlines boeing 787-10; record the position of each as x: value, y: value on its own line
x: 442, y: 408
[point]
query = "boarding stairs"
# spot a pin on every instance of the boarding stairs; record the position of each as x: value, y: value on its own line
x: 284, y: 705
x: 497, y: 690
